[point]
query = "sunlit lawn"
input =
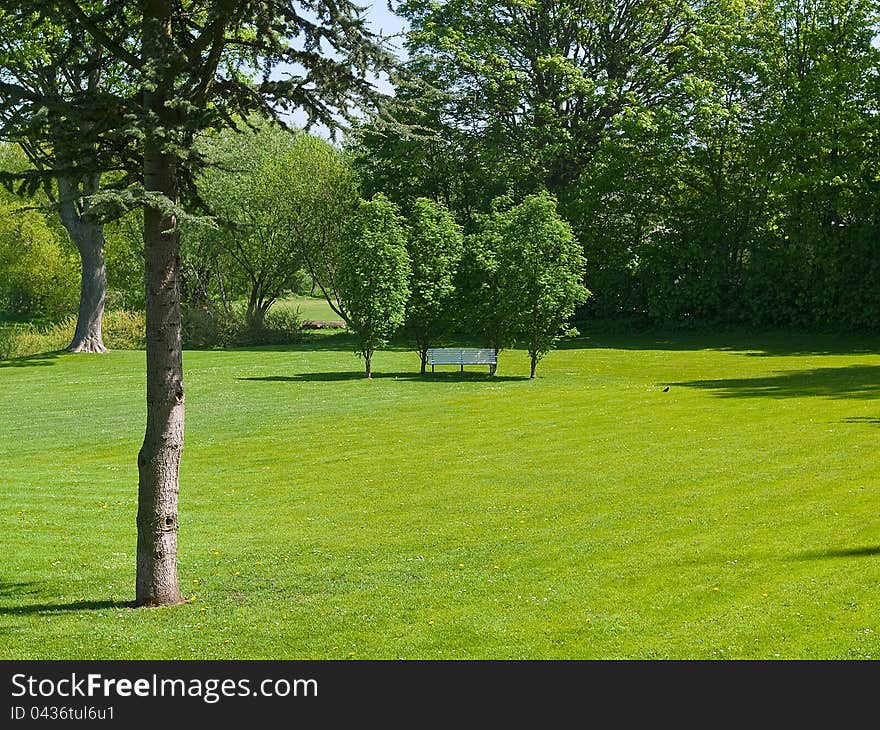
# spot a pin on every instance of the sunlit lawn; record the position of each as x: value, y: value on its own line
x: 310, y: 308
x: 586, y: 514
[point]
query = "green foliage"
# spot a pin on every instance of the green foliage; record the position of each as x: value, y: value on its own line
x: 318, y: 191
x: 434, y: 245
x: 124, y: 255
x: 254, y: 244
x: 485, y: 306
x: 718, y: 161
x: 205, y: 328
x: 38, y: 269
x: 373, y: 279
x: 522, y: 276
x: 542, y: 266
x: 280, y: 201
x: 123, y: 330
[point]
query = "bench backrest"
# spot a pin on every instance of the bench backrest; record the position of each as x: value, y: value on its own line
x: 462, y: 356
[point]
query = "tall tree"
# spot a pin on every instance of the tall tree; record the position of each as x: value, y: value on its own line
x: 434, y: 244
x: 46, y: 69
x: 319, y: 192
x: 373, y: 275
x: 190, y: 60
x: 542, y: 265
x: 520, y: 93
x: 486, y: 306
x: 246, y: 190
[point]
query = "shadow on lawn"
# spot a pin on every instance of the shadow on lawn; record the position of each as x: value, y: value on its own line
x: 754, y: 344
x: 870, y: 420
x: 40, y: 608
x: 41, y: 360
x: 333, y: 377
x: 858, y: 552
x: 15, y: 589
x: 853, y: 381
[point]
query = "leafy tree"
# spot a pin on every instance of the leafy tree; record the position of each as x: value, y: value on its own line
x: 518, y: 96
x: 245, y: 189
x: 373, y: 274
x: 434, y: 245
x: 484, y: 301
x: 37, y: 267
x: 318, y: 190
x: 542, y: 265
x: 189, y: 59
x: 46, y: 69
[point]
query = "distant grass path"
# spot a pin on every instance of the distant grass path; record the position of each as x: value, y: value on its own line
x: 586, y: 514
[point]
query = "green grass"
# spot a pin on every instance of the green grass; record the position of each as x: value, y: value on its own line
x: 310, y: 308
x: 586, y: 514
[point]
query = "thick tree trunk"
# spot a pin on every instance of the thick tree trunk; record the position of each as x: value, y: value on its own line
x: 494, y: 366
x: 159, y: 457
x: 534, y: 359
x: 423, y: 354
x: 88, y: 237
x: 88, y: 337
x: 368, y: 359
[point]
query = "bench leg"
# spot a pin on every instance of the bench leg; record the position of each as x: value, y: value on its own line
x: 462, y: 368
x: 432, y: 369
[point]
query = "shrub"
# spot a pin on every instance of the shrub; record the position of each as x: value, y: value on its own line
x: 205, y: 329
x: 123, y: 330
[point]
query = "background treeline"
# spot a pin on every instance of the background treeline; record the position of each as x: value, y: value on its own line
x: 717, y: 160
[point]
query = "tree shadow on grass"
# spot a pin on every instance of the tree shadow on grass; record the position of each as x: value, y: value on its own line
x: 870, y: 420
x: 853, y: 381
x: 455, y: 377
x: 41, y: 360
x: 865, y: 551
x: 771, y: 343
x: 15, y: 589
x: 73, y: 606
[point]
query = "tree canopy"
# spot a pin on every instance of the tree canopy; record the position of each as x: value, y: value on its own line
x: 374, y: 273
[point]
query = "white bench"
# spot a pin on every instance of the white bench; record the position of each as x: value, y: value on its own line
x: 462, y: 356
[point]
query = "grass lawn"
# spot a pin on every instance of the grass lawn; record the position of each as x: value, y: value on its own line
x: 587, y: 514
x: 310, y: 308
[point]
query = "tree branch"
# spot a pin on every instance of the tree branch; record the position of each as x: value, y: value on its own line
x: 101, y: 37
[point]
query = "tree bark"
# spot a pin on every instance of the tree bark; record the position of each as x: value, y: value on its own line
x: 534, y: 359
x: 159, y: 457
x: 88, y: 237
x: 423, y: 354
x: 368, y: 359
x: 88, y: 336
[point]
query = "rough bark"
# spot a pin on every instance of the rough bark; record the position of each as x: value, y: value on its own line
x: 159, y: 457
x: 423, y: 355
x: 88, y: 237
x: 368, y: 359
x: 534, y: 359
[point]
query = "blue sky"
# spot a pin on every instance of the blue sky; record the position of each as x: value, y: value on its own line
x: 382, y: 19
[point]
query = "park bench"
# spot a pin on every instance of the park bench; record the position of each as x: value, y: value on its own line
x: 462, y: 356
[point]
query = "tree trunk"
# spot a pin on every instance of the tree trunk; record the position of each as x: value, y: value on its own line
x: 368, y: 359
x: 88, y: 237
x: 159, y: 457
x: 494, y: 366
x: 423, y: 354
x: 88, y: 336
x: 534, y: 359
